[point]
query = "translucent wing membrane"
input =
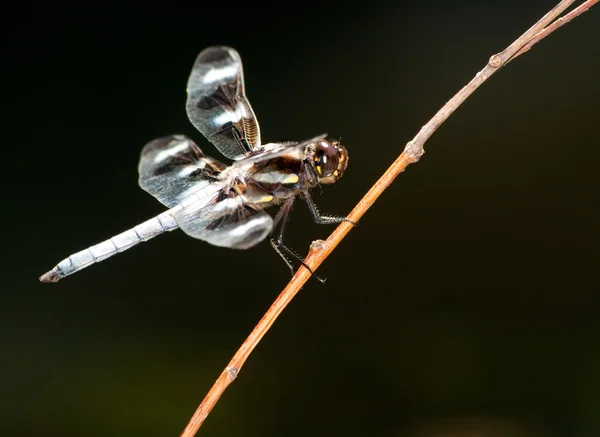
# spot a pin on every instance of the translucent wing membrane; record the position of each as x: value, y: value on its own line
x: 172, y: 168
x: 175, y: 171
x: 224, y: 222
x: 217, y: 105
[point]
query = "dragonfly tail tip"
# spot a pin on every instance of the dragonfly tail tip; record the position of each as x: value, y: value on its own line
x: 50, y: 277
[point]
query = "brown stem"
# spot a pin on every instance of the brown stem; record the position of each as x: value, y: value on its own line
x: 555, y: 25
x: 320, y: 250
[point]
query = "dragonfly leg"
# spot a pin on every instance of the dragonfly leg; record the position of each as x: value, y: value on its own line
x: 323, y: 219
x: 279, y: 225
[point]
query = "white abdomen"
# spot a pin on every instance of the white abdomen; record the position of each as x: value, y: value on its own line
x: 142, y: 232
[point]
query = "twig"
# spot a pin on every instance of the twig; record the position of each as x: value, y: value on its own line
x: 555, y: 25
x: 320, y: 250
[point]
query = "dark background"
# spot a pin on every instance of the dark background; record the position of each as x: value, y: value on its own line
x: 465, y: 303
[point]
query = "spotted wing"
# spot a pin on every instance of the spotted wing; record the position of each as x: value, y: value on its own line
x: 172, y: 168
x: 217, y: 105
x: 224, y: 222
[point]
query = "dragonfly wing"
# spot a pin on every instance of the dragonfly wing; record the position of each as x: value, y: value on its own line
x: 172, y: 168
x: 217, y: 105
x: 224, y: 222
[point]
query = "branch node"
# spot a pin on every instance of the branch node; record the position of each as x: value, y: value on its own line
x: 232, y: 373
x: 495, y: 61
x: 316, y: 246
x: 413, y: 151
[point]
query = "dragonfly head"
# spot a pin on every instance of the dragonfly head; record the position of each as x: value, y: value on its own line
x: 330, y: 160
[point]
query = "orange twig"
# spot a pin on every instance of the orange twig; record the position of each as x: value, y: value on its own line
x: 320, y: 250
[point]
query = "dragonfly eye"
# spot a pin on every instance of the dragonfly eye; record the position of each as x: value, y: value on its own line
x: 330, y: 159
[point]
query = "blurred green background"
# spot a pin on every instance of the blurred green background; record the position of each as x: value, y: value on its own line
x: 464, y: 304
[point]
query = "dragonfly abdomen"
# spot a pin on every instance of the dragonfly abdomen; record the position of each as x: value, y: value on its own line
x: 119, y: 243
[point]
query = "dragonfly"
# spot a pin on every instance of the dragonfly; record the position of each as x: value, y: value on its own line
x: 223, y: 205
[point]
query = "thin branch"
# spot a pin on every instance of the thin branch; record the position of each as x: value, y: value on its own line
x: 320, y: 250
x: 555, y: 25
